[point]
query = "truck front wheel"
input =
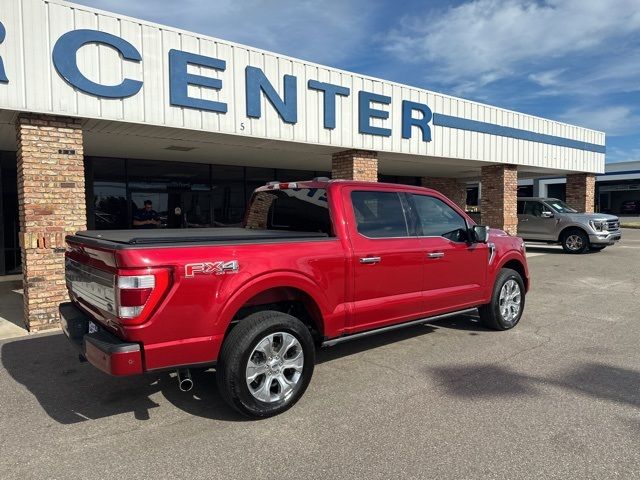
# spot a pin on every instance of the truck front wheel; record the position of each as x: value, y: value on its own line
x: 575, y: 241
x: 265, y: 364
x: 507, y: 302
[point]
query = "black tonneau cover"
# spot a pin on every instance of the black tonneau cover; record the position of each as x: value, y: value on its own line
x: 199, y: 235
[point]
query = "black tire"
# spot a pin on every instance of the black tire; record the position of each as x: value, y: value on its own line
x: 234, y: 357
x: 575, y: 240
x: 491, y: 314
x: 597, y: 248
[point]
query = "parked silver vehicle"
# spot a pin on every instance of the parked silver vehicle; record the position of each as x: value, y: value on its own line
x: 553, y: 221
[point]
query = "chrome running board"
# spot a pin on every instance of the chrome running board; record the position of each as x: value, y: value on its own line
x: 421, y: 321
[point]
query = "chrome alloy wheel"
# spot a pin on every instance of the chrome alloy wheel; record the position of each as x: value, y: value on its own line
x: 275, y: 367
x: 574, y: 242
x: 510, y: 301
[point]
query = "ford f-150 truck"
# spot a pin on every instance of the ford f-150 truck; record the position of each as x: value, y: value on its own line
x: 552, y: 221
x: 315, y: 263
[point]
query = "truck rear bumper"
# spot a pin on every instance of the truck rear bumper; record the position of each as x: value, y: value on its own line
x: 101, y: 348
x: 605, y: 238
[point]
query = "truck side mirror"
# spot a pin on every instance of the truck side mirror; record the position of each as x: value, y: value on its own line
x: 479, y: 234
x: 546, y: 214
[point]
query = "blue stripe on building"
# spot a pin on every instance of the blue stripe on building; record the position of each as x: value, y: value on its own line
x: 517, y: 133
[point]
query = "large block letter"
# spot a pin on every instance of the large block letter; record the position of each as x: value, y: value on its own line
x: 257, y: 82
x: 3, y: 75
x: 65, y: 60
x: 180, y: 79
x: 330, y: 92
x: 366, y: 112
x: 408, y: 121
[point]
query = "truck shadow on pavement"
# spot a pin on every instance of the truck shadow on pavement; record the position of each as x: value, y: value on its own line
x: 597, y: 380
x: 72, y: 392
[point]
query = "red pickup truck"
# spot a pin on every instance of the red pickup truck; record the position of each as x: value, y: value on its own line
x: 315, y: 263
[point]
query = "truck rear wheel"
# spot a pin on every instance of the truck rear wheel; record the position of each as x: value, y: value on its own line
x: 266, y: 364
x: 507, y: 302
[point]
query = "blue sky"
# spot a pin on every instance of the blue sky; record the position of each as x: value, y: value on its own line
x: 571, y: 60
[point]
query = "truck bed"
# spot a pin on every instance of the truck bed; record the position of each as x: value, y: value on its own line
x: 202, y: 236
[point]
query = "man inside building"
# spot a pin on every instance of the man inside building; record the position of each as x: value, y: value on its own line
x: 146, y: 217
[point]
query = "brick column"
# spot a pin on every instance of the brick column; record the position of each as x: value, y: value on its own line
x: 581, y: 191
x: 355, y: 165
x: 499, y: 200
x: 449, y: 187
x: 51, y: 200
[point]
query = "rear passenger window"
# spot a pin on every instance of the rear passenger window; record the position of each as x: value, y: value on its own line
x: 520, y: 207
x: 379, y: 214
x: 437, y: 219
x: 292, y: 209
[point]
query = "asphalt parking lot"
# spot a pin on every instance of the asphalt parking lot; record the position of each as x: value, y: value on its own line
x: 557, y: 397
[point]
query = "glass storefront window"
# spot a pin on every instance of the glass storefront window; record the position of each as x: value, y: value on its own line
x: 162, y: 175
x: 258, y: 177
x: 182, y: 195
x: 294, y: 175
x: 229, y: 199
x: 109, y: 194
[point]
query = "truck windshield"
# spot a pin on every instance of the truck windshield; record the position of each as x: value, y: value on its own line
x: 293, y: 209
x: 560, y: 207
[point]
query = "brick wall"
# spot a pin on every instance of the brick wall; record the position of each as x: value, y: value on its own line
x: 51, y: 199
x: 449, y: 187
x: 581, y: 191
x: 499, y: 197
x: 355, y: 165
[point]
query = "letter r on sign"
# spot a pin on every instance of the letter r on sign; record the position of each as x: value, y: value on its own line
x: 3, y: 75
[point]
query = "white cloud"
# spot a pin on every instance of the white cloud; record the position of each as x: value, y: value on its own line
x: 547, y: 78
x: 499, y: 37
x: 614, y: 121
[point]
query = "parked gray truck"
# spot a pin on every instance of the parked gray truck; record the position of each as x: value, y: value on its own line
x: 553, y: 221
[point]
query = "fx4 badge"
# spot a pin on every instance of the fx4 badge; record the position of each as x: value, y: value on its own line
x: 210, y: 268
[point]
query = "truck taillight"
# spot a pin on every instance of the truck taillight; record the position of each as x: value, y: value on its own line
x: 134, y: 291
x: 138, y: 295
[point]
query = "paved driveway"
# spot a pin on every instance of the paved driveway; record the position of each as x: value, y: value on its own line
x: 558, y: 397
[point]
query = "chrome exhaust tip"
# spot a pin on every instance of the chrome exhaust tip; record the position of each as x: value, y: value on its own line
x: 185, y: 382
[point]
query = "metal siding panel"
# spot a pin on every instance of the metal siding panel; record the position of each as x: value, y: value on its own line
x: 210, y: 121
x: 323, y: 134
x: 192, y: 118
x: 63, y: 96
x: 240, y: 61
x: 152, y: 74
x: 132, y: 108
x: 385, y: 142
x: 89, y: 64
x: 172, y: 115
x: 312, y: 113
x: 285, y: 67
x: 346, y: 105
x: 304, y: 96
x: 12, y: 95
x: 110, y: 68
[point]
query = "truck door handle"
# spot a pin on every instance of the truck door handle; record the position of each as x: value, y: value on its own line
x: 436, y: 255
x: 370, y: 260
